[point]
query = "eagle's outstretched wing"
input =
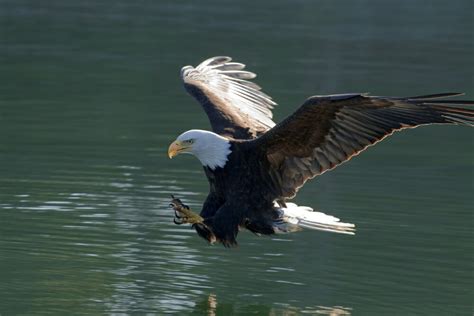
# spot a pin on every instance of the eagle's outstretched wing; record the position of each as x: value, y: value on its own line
x: 329, y: 130
x: 235, y: 106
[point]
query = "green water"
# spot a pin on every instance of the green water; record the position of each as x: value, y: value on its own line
x: 90, y: 99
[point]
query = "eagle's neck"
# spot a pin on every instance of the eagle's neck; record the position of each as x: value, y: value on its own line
x: 212, y: 150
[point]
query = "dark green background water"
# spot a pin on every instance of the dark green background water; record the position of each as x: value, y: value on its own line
x: 90, y: 99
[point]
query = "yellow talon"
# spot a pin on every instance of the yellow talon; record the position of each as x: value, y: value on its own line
x: 186, y: 216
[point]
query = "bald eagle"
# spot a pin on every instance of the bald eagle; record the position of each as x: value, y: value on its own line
x: 255, y: 166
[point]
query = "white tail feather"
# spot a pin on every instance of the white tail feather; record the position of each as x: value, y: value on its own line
x: 294, y: 217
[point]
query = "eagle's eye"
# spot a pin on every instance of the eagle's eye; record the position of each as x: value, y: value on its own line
x: 189, y: 141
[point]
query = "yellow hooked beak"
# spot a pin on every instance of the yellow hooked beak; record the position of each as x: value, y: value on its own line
x: 177, y: 148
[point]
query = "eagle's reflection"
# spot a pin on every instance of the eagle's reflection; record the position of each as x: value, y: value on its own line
x: 210, y: 307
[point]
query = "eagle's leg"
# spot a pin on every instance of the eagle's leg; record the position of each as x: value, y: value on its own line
x: 183, y: 214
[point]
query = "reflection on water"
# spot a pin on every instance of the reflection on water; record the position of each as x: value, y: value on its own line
x: 90, y: 99
x: 211, y: 307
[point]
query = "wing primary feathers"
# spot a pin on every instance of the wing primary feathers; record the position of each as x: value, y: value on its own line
x: 235, y: 106
x: 230, y: 66
x: 239, y: 74
x: 217, y: 60
x: 449, y: 102
x: 329, y: 130
x: 435, y: 96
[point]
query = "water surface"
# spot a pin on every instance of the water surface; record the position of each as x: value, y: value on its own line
x: 90, y: 99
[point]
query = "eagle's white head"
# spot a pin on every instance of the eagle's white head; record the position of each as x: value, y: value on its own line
x: 211, y: 149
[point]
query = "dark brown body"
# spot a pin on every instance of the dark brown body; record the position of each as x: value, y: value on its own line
x: 241, y: 193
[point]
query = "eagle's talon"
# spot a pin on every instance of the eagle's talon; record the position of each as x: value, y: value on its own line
x: 183, y: 213
x: 176, y: 201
